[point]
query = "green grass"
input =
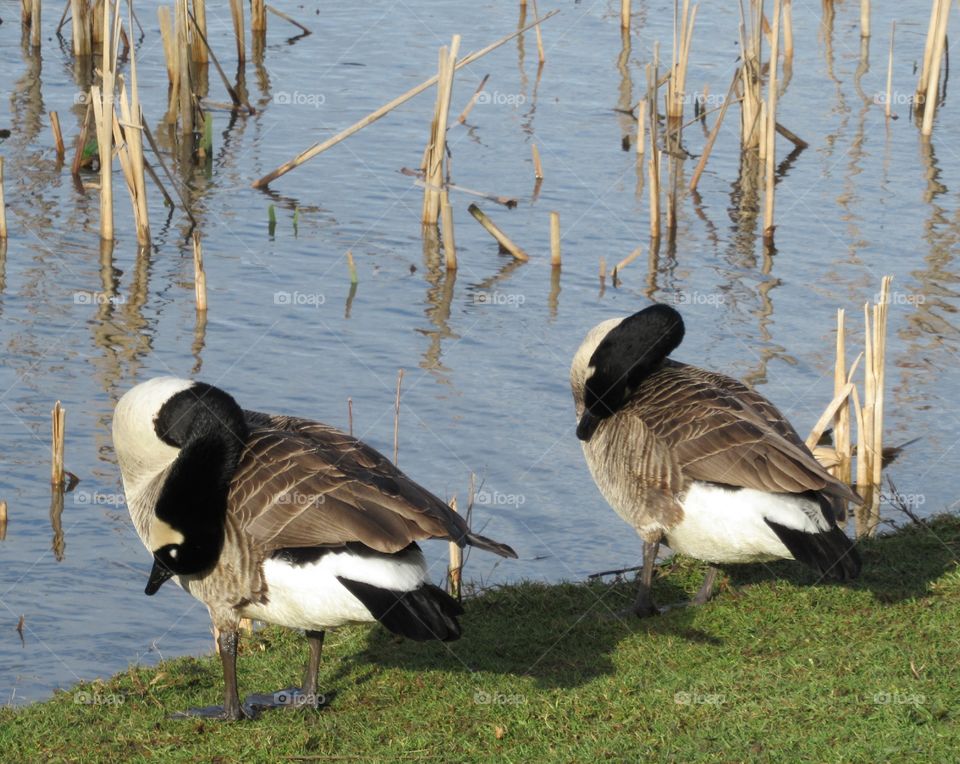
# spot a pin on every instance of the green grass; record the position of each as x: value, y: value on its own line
x: 774, y: 669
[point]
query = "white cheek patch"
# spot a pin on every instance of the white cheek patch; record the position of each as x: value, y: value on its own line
x: 162, y: 534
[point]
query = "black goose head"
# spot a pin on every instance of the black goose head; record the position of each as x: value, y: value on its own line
x: 209, y: 429
x: 624, y: 358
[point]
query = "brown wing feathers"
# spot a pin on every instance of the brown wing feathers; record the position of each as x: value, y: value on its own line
x: 302, y: 483
x: 721, y: 431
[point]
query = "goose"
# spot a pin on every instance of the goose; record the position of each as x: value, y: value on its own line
x: 698, y: 459
x: 279, y: 519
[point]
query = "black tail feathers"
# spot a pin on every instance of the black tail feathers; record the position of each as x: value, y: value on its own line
x: 422, y: 614
x: 831, y: 553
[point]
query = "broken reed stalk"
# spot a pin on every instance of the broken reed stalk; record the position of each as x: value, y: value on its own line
x: 3, y: 206
x: 351, y: 267
x: 396, y: 417
x: 319, y: 148
x: 886, y: 107
x: 258, y: 16
x: 473, y: 100
x: 682, y: 36
x: 35, y: 23
x: 236, y: 11
x: 102, y: 113
x: 927, y: 53
x: 199, y: 274
x: 57, y: 135
x: 555, y: 239
x: 641, y: 126
x: 131, y: 150
x: 437, y: 145
x: 541, y: 56
x: 449, y: 241
x: 750, y: 82
x: 714, y: 132
x: 285, y: 17
x: 81, y: 25
x: 3, y: 520
x: 841, y: 421
x: 653, y: 161
x: 199, y: 15
x: 506, y: 244
x: 787, y: 12
x: 870, y: 440
x: 350, y: 416
x: 771, y: 127
x: 58, y: 430
x: 456, y: 560
x: 182, y: 53
x: 864, y: 18
x: 625, y: 14
x: 537, y: 166
x: 942, y: 11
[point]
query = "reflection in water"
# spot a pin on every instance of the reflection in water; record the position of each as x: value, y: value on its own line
x: 58, y: 545
x: 553, y: 299
x: 199, y: 341
x: 928, y: 325
x: 350, y: 295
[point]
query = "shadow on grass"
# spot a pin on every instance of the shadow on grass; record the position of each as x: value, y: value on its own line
x: 564, y: 635
x: 561, y: 635
x: 898, y: 565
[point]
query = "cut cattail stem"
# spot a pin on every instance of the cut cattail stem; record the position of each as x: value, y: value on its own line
x: 35, y: 24
x: 541, y: 56
x: 537, y: 166
x: 449, y: 242
x: 603, y: 272
x: 473, y: 100
x: 235, y: 96
x: 502, y: 239
x: 351, y: 267
x: 771, y: 127
x: 58, y: 430
x: 787, y: 11
x: 436, y: 147
x: 682, y: 37
x: 641, y: 126
x: 57, y: 135
x: 200, y: 19
x: 555, y: 239
x: 942, y: 9
x: 3, y: 207
x: 396, y: 417
x: 628, y: 259
x: 653, y: 181
x: 386, y: 108
x: 456, y: 560
x: 625, y: 14
x: 258, y: 16
x: 350, y: 416
x: 199, y: 275
x: 864, y: 18
x: 236, y: 11
x: 886, y: 106
x: 3, y: 520
x: 841, y: 422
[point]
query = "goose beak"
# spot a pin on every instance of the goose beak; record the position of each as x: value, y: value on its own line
x: 588, y: 425
x: 158, y: 574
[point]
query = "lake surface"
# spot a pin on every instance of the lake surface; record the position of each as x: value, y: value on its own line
x: 485, y: 352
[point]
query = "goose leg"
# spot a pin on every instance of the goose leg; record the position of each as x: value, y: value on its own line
x: 309, y: 686
x: 705, y: 592
x: 305, y: 695
x: 231, y: 710
x: 643, y: 605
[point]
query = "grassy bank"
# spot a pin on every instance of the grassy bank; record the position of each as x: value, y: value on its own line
x: 773, y: 669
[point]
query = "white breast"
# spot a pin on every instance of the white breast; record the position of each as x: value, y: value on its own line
x: 310, y: 596
x: 724, y: 525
